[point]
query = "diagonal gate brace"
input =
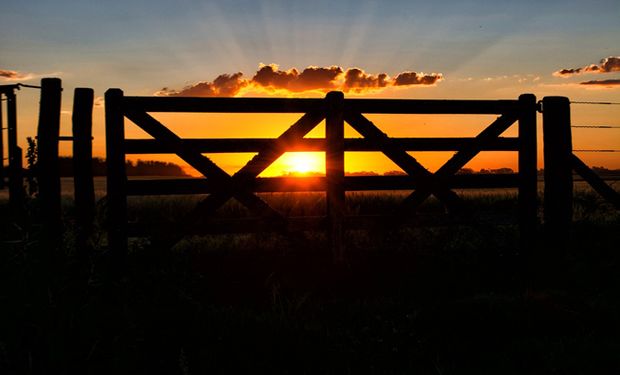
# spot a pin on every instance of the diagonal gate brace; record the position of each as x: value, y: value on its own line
x: 238, y: 185
x: 462, y: 157
x: 405, y: 161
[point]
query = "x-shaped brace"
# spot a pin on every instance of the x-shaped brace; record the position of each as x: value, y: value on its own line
x: 431, y: 183
x: 239, y: 184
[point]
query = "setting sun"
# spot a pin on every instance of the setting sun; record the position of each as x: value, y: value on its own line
x: 304, y: 162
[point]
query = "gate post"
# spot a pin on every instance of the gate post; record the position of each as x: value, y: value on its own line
x: 84, y: 191
x: 528, y: 173
x: 116, y: 174
x: 558, y: 150
x: 1, y: 145
x: 48, y: 169
x: 334, y: 171
x: 16, y: 174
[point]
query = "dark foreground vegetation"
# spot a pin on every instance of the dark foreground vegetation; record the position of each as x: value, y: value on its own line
x: 448, y: 299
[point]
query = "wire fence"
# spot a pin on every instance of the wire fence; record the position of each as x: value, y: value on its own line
x: 595, y: 103
x: 582, y: 150
x: 595, y: 126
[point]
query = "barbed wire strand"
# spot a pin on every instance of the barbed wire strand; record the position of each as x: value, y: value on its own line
x: 596, y: 150
x: 28, y: 86
x: 596, y: 126
x: 596, y: 103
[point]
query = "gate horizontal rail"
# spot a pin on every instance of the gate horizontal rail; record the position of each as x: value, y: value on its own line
x: 284, y: 105
x: 231, y: 145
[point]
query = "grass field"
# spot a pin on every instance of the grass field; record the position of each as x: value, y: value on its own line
x: 448, y: 299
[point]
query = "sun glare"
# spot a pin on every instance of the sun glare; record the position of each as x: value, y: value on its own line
x: 304, y: 162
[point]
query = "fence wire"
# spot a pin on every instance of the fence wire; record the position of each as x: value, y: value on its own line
x: 595, y: 126
x: 595, y: 103
x: 28, y: 86
x: 581, y: 150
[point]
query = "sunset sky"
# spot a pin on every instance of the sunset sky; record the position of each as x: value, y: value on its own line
x: 398, y: 49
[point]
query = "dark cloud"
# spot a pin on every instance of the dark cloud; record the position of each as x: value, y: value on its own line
x: 314, y: 77
x: 11, y: 75
x: 223, y: 85
x: 270, y: 77
x: 606, y: 82
x: 413, y: 78
x: 311, y: 78
x: 607, y: 65
x: 357, y: 80
x: 567, y: 72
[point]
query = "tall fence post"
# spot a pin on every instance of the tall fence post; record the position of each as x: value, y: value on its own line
x: 116, y: 174
x: 1, y: 145
x: 84, y: 191
x: 334, y: 170
x: 48, y: 168
x: 16, y: 174
x: 558, y: 150
x: 528, y: 173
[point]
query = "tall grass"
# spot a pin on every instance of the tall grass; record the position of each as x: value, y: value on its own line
x: 450, y: 299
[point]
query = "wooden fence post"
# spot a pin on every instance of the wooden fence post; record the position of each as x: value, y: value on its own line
x: 528, y: 173
x: 84, y: 191
x: 16, y: 174
x: 48, y: 168
x: 1, y: 145
x: 334, y: 170
x: 116, y: 174
x: 558, y: 150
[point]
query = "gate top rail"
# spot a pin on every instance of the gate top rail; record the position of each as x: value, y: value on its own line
x: 8, y: 89
x: 431, y: 106
x: 289, y: 105
x: 222, y: 105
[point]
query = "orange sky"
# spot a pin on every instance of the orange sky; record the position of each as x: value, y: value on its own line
x: 272, y: 125
x: 396, y: 49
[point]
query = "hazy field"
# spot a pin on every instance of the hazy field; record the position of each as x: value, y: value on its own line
x: 100, y: 188
x: 449, y: 299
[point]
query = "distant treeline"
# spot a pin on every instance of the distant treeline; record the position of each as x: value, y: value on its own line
x: 139, y: 168
x: 601, y: 171
x: 462, y: 171
x: 159, y: 168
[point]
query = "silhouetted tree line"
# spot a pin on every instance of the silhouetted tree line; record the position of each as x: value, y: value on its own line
x: 401, y: 173
x: 139, y: 168
x: 486, y: 171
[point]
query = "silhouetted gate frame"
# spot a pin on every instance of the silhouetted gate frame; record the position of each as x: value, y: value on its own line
x: 335, y: 110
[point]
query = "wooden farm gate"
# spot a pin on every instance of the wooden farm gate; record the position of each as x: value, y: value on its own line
x: 335, y: 110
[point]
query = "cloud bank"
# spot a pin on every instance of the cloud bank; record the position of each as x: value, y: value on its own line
x: 607, y: 65
x: 270, y: 78
x: 603, y: 83
x: 12, y: 75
